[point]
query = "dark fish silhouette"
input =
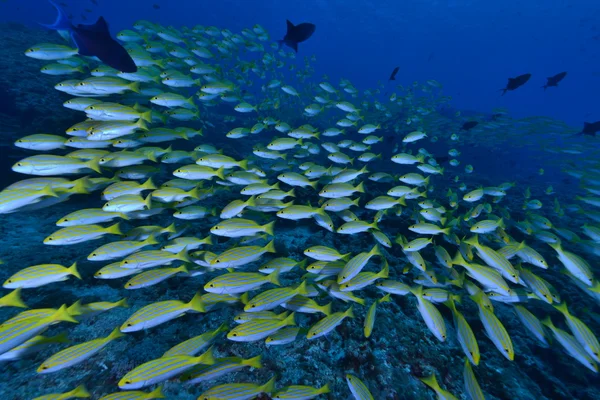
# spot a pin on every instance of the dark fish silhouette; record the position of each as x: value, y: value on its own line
x: 591, y: 128
x: 296, y: 34
x: 95, y: 2
x: 394, y: 72
x: 155, y: 6
x: 553, y: 80
x: 95, y: 40
x: 469, y: 125
x: 515, y: 83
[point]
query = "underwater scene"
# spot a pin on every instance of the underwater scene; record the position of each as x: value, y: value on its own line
x: 269, y: 199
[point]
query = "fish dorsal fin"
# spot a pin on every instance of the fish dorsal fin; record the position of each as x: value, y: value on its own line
x: 101, y: 26
x: 290, y: 26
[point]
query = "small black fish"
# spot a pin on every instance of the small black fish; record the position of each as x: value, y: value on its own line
x: 469, y: 125
x: 394, y: 72
x: 87, y: 10
x: 296, y: 34
x: 553, y: 80
x: 515, y: 83
x: 94, y: 1
x: 94, y: 40
x: 591, y: 128
x: 155, y: 6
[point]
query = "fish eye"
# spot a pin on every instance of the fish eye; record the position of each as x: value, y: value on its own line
x: 19, y: 164
x: 253, y: 305
x: 49, y: 239
x: 128, y: 324
x: 125, y: 262
x: 9, y: 281
x: 211, y: 285
x: 94, y: 255
x: 127, y: 382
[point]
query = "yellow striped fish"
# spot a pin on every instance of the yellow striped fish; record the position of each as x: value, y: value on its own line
x: 161, y: 369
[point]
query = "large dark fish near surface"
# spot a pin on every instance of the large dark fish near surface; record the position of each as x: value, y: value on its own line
x: 296, y: 34
x: 394, y: 72
x: 553, y: 80
x: 590, y: 128
x: 95, y: 41
x: 515, y: 83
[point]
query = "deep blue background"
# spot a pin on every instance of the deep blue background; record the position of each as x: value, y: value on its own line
x: 471, y: 46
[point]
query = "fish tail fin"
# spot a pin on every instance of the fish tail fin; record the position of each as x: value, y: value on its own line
x: 251, y: 202
x: 62, y: 315
x: 243, y: 164
x: 417, y: 291
x: 289, y: 320
x: 548, y: 322
x: 148, y: 203
x: 562, y: 307
x: 79, y: 391
x: 360, y: 188
x: 147, y: 116
x: 220, y: 173
x: 324, y: 389
x: 151, y: 240
x: 76, y: 309
x: 268, y: 387
x: 94, y: 164
x: 156, y: 394
x: 385, y: 271
x: 149, y: 185
x: 349, y: 312
x: 135, y: 87
x: 270, y: 247
x: 301, y: 289
x: 224, y: 327
x: 385, y: 299
x: 432, y: 382
x: 122, y: 303
x: 255, y: 362
x: 268, y: 228
x: 115, y: 334
x: 114, y: 229
x: 141, y: 124
x: 47, y: 191
x: 326, y: 309
x: 196, y: 303
x: 183, y: 256
x: 13, y: 299
x: 208, y: 358
x: 73, y: 270
x: 273, y: 277
x: 62, y: 22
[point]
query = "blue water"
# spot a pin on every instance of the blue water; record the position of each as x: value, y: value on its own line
x: 470, y: 48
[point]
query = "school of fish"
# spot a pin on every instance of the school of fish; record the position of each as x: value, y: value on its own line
x: 428, y: 231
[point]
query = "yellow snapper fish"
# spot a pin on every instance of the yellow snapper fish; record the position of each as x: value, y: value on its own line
x: 40, y: 275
